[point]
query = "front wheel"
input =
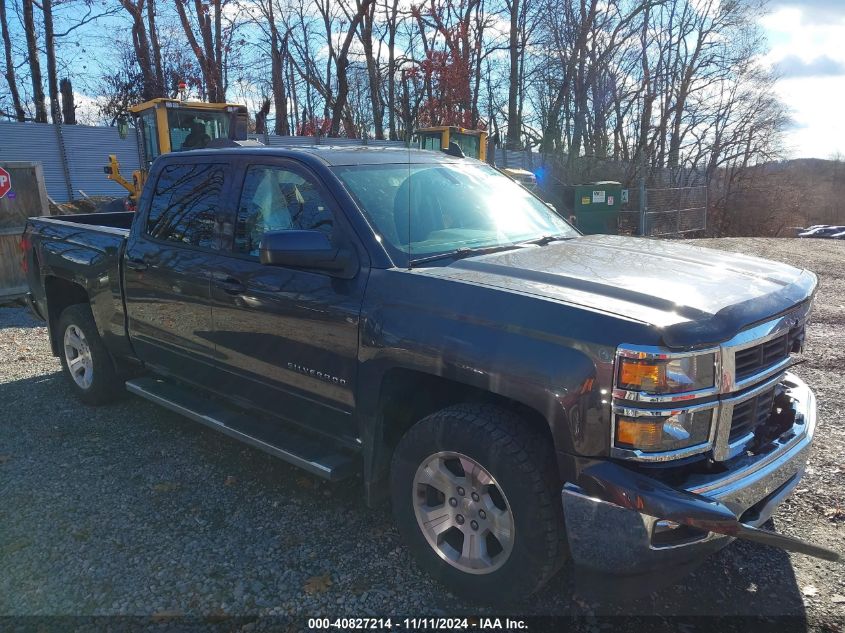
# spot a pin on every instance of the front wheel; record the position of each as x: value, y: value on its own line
x: 476, y: 495
x: 85, y: 360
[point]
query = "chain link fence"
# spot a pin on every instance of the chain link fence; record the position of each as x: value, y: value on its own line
x: 674, y: 210
x: 630, y: 214
x: 664, y: 211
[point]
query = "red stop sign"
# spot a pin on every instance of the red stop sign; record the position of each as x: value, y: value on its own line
x: 5, y: 182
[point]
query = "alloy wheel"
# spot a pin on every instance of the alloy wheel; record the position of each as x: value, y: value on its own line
x: 80, y: 364
x: 463, y: 513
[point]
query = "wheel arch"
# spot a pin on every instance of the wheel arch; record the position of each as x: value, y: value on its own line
x: 407, y: 396
x: 61, y: 293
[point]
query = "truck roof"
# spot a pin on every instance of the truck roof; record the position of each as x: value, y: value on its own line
x: 334, y: 155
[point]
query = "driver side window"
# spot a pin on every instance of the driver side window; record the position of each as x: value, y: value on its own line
x: 277, y: 199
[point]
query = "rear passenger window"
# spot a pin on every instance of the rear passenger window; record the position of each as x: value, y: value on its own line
x: 185, y: 203
x: 278, y: 199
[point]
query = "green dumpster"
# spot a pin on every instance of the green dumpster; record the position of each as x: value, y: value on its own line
x: 595, y: 206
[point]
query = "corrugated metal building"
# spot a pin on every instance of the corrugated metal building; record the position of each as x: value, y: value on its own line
x: 73, y: 156
x: 80, y: 166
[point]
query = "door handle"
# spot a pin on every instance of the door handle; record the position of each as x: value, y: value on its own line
x: 230, y: 285
x: 136, y: 264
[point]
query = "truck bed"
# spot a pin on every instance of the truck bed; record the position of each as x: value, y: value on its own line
x: 119, y: 220
x: 80, y: 255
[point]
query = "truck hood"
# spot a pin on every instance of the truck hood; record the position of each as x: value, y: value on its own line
x: 693, y: 295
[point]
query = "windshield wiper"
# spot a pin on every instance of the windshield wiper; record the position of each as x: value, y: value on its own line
x: 545, y: 239
x: 461, y: 253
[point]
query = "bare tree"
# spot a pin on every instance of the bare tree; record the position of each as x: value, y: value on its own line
x: 275, y: 45
x: 159, y: 88
x: 278, y: 55
x: 11, y: 75
x: 261, y: 117
x: 516, y: 10
x: 306, y: 64
x: 634, y: 88
x: 34, y: 62
x: 355, y: 15
x: 68, y: 105
x: 391, y: 12
x: 373, y: 73
x: 147, y: 47
x: 52, y: 72
x: 208, y: 43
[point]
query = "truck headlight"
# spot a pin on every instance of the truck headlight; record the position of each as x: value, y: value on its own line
x: 676, y: 430
x: 665, y: 373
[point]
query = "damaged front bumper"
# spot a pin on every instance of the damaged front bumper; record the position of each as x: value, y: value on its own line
x: 622, y: 521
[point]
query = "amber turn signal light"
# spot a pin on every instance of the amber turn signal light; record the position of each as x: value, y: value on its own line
x: 641, y: 434
x: 641, y: 376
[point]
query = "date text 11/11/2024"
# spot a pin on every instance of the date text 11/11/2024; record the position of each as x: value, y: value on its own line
x: 422, y: 624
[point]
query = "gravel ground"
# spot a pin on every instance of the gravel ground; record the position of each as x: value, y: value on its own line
x: 129, y: 509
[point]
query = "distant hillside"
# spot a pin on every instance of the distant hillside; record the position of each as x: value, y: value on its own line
x: 774, y: 196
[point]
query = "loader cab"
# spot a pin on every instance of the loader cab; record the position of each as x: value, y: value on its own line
x: 473, y: 143
x: 170, y: 125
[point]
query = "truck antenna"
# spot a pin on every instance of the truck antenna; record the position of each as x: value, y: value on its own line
x: 409, y: 202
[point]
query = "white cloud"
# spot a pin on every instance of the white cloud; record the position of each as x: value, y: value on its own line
x: 789, y: 35
x: 87, y: 109
x: 815, y: 11
x: 819, y: 129
x: 809, y: 55
x: 824, y: 66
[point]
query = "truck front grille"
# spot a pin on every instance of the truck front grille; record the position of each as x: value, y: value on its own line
x: 750, y: 414
x: 753, y: 360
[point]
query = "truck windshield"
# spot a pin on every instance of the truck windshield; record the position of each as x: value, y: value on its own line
x: 194, y: 129
x: 427, y: 209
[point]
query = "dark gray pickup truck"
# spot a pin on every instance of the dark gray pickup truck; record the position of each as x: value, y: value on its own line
x: 520, y: 392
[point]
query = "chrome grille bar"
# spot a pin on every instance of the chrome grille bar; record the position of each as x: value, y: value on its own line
x: 788, y: 327
x: 768, y: 341
x: 723, y: 448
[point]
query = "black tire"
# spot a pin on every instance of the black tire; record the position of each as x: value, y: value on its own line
x: 521, y: 460
x: 104, y: 382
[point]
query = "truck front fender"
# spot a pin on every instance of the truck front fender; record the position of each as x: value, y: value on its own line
x: 552, y: 358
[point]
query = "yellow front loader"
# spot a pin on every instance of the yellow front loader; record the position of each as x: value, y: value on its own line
x: 173, y: 125
x: 473, y: 143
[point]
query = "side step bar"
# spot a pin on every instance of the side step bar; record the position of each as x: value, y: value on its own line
x: 269, y: 436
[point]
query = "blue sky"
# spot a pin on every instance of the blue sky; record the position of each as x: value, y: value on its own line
x: 807, y: 40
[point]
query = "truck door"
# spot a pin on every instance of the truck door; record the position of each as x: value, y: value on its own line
x: 287, y: 337
x: 167, y: 271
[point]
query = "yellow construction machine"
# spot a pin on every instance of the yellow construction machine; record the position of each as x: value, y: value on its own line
x: 172, y: 125
x: 472, y: 143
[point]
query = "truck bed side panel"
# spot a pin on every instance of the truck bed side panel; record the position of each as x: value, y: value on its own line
x: 88, y: 256
x: 115, y: 220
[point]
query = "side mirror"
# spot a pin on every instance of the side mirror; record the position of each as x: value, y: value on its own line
x: 307, y: 249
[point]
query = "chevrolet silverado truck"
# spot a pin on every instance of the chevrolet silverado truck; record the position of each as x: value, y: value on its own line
x: 520, y: 392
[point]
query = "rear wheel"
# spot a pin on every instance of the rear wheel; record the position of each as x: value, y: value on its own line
x: 85, y: 360
x: 476, y: 495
